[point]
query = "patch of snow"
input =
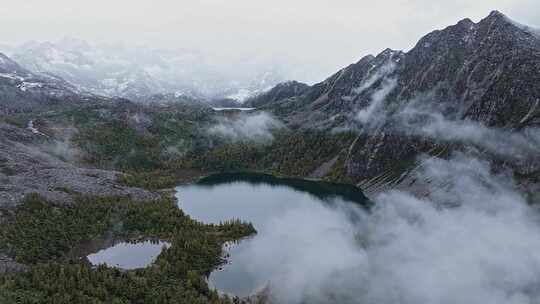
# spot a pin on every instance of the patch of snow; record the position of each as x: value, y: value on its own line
x: 32, y: 128
x: 11, y: 76
x: 231, y: 109
x: 29, y: 85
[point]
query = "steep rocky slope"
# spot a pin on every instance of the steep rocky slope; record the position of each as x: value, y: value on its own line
x: 468, y: 86
x: 483, y: 71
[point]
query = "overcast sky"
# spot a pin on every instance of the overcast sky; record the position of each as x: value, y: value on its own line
x: 324, y: 34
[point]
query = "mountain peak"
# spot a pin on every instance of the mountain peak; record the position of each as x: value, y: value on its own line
x: 495, y: 14
x: 466, y: 22
x: 389, y: 51
x: 388, y: 54
x: 499, y: 20
x: 495, y: 17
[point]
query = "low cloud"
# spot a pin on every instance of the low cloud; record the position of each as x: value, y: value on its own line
x: 418, y: 118
x: 257, y: 127
x: 63, y: 149
x: 479, y: 250
x: 473, y: 240
x: 371, y: 115
x: 374, y: 76
x: 60, y: 144
x: 424, y: 117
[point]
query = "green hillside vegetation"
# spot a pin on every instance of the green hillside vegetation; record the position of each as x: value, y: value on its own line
x: 159, y: 146
x: 291, y: 153
x: 41, y: 235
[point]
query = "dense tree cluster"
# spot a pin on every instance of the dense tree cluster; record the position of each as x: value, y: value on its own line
x: 291, y: 153
x: 125, y: 136
x: 42, y: 235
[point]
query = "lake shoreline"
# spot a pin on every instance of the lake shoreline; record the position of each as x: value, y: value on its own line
x: 255, y: 198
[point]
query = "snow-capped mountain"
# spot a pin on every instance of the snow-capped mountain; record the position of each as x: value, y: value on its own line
x: 139, y: 72
x: 22, y: 90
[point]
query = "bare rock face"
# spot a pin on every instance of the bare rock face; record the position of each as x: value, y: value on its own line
x: 25, y: 168
x: 7, y: 265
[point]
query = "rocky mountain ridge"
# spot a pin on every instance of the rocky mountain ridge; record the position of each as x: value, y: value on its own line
x: 468, y: 86
x: 464, y: 66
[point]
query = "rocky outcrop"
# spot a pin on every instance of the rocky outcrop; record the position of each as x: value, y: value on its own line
x: 26, y: 167
x: 8, y: 265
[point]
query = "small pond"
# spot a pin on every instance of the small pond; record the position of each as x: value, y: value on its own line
x: 128, y: 255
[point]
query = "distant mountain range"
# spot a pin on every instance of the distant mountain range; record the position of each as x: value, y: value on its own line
x: 116, y: 70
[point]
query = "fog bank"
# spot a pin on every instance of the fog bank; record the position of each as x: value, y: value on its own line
x: 247, y: 126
